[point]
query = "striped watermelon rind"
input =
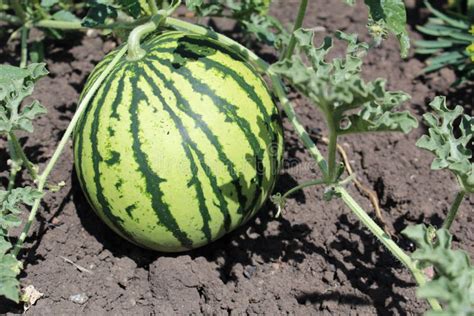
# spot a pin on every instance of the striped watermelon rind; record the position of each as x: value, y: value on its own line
x: 180, y: 147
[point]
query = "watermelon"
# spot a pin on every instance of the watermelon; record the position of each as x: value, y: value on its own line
x: 180, y: 147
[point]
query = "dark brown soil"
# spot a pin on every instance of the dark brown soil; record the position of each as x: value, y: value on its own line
x: 316, y: 259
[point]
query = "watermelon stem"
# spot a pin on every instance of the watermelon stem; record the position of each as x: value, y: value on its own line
x: 135, y: 51
x: 64, y: 140
x: 153, y: 7
x: 298, y: 23
x: 454, y: 209
x: 17, y: 151
x: 385, y: 239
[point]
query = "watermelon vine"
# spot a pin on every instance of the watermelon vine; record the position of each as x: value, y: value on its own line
x: 144, y: 73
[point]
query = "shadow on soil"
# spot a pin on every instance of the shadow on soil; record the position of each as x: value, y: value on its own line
x: 284, y: 242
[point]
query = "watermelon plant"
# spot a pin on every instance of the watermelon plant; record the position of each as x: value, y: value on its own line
x: 451, y: 41
x: 177, y: 139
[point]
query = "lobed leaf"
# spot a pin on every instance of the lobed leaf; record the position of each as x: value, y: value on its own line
x: 336, y: 87
x: 451, y: 152
x: 11, y: 200
x: 15, y: 85
x: 10, y: 268
x: 453, y: 283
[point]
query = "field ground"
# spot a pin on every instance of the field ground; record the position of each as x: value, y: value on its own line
x: 316, y: 259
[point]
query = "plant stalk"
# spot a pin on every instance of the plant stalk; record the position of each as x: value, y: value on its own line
x: 24, y: 47
x: 298, y: 23
x: 299, y: 128
x: 153, y: 7
x: 303, y: 185
x: 67, y: 134
x: 135, y: 51
x: 396, y: 251
x: 15, y: 145
x: 332, y: 147
x: 67, y: 25
x: 454, y: 210
x: 12, y: 177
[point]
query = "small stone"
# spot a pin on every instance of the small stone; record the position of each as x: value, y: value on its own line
x: 80, y: 298
x: 249, y: 271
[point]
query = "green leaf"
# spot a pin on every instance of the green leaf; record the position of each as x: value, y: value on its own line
x: 389, y: 16
x: 336, y: 87
x: 453, y: 283
x: 15, y: 85
x: 98, y: 13
x: 450, y: 152
x: 194, y: 5
x: 23, y: 195
x: 452, y: 39
x: 10, y: 268
x: 63, y: 15
x: 267, y: 29
x: 455, y: 22
x: 132, y: 7
x: 48, y: 3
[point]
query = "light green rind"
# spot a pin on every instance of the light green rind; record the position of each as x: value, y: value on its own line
x: 166, y: 152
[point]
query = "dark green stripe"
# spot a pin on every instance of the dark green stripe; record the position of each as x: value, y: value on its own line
x: 193, y: 40
x: 97, y: 157
x: 229, y: 110
x: 183, y: 105
x: 185, y: 144
x: 120, y: 89
x: 79, y: 142
x: 266, y: 121
x: 152, y: 180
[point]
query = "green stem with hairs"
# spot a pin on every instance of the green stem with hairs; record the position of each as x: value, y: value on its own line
x: 153, y: 7
x: 65, y: 25
x: 64, y: 140
x: 396, y: 251
x: 332, y: 147
x: 15, y: 165
x: 302, y: 186
x: 14, y: 168
x: 16, y: 147
x: 135, y: 51
x: 299, y: 128
x: 454, y: 210
x: 24, y: 47
x: 298, y: 23
x: 68, y: 25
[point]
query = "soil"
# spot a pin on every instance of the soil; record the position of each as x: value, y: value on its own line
x: 315, y: 259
